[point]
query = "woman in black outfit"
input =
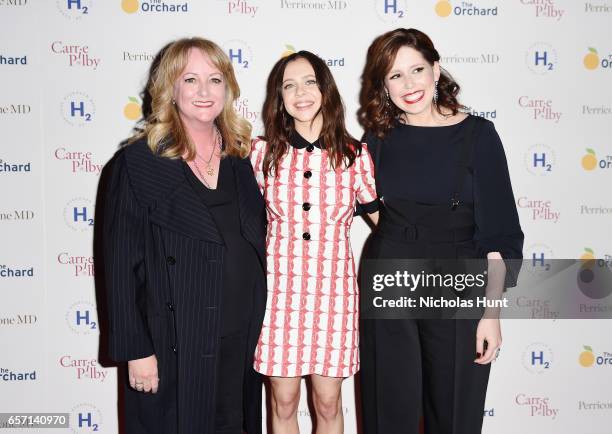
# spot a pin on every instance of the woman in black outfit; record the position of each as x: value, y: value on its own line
x: 445, y: 193
x: 184, y: 251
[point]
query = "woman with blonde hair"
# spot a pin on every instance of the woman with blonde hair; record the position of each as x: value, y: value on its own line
x: 182, y: 211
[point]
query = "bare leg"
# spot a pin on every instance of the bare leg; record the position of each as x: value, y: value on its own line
x: 285, y: 400
x: 327, y: 400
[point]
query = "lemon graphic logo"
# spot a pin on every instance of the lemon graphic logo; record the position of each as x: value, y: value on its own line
x: 588, y: 255
x: 289, y: 50
x: 586, y: 359
x: 132, y: 110
x: 589, y: 161
x: 444, y: 8
x: 591, y: 60
x: 129, y: 6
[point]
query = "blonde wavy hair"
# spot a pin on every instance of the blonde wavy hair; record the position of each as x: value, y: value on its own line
x: 163, y: 128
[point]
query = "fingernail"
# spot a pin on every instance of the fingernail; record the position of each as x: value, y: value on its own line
x: 478, y: 355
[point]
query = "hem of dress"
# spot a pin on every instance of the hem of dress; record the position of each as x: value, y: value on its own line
x: 354, y: 369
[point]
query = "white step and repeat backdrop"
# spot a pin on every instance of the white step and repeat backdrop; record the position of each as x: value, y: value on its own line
x: 71, y: 73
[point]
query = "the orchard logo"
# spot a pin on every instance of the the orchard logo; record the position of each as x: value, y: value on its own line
x: 591, y: 60
x: 590, y: 161
x: 132, y: 110
x: 588, y: 358
x: 445, y: 8
x: 289, y: 50
x: 593, y: 277
x: 153, y: 6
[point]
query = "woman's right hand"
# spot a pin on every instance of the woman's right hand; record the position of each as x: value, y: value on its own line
x: 143, y: 374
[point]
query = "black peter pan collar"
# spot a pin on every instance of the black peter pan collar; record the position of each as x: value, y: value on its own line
x: 299, y: 142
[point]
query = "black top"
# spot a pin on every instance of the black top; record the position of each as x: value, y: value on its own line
x: 236, y: 295
x: 420, y: 164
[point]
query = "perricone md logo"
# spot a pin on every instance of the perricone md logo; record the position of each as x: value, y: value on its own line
x: 537, y: 358
x: 13, y: 3
x: 540, y: 160
x: 76, y: 55
x: 597, y: 8
x: 82, y: 319
x: 445, y: 8
x: 78, y: 161
x: 390, y: 11
x: 536, y: 405
x: 15, y: 109
x: 15, y: 272
x: 85, y: 418
x: 545, y: 9
x: 79, y: 214
x: 153, y: 7
x: 16, y: 215
x: 78, y: 109
x: 540, y: 109
x: 240, y: 54
x: 74, y: 9
x: 541, y: 58
x: 311, y: 5
x: 21, y: 319
x: 84, y: 369
x: 79, y: 265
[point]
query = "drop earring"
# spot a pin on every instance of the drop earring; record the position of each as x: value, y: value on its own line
x: 435, y: 96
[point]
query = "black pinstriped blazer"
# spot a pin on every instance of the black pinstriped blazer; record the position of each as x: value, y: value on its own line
x: 163, y: 259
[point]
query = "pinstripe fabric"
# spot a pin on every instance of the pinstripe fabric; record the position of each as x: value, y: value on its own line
x: 164, y: 270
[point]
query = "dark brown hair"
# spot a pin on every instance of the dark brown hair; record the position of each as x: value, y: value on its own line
x: 376, y: 113
x: 279, y: 125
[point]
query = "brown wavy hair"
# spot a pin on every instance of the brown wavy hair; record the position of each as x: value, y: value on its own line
x: 377, y: 114
x: 163, y: 127
x: 279, y: 125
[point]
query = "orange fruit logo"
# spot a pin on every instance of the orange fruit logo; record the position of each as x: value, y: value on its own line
x: 289, y: 50
x: 129, y: 6
x: 443, y: 8
x: 132, y: 110
x: 589, y: 161
x: 591, y: 60
x: 586, y: 358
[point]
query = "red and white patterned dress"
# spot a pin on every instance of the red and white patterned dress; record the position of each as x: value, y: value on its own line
x: 311, y: 325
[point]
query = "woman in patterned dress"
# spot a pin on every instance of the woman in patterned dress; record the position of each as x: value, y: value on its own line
x: 311, y: 172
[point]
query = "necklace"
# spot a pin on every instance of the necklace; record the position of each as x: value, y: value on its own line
x: 210, y: 170
x: 195, y: 163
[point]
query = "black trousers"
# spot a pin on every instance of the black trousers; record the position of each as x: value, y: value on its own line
x: 409, y: 367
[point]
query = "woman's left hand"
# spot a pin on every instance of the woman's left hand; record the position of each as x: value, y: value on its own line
x: 488, y: 330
